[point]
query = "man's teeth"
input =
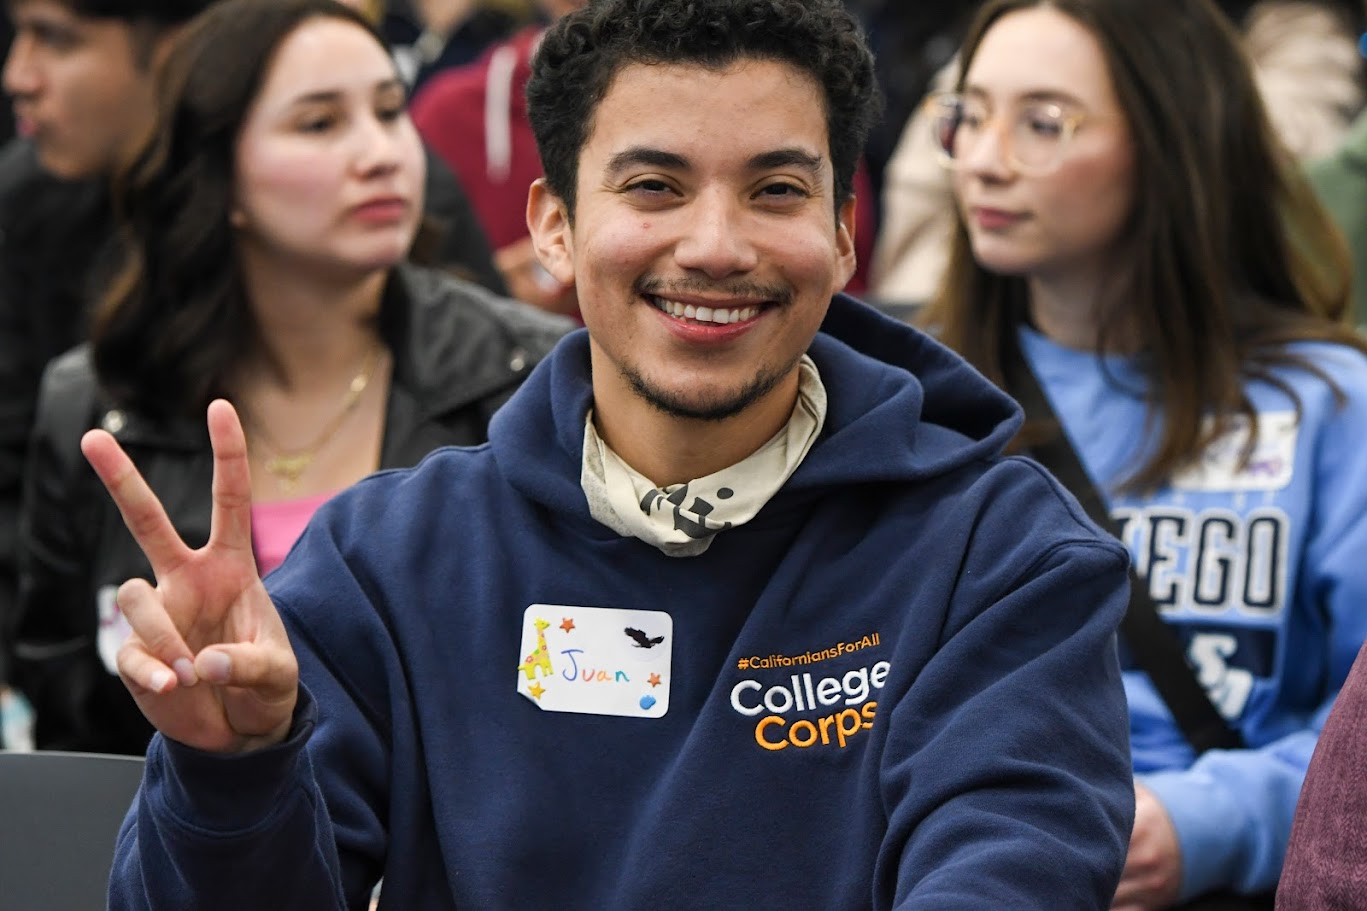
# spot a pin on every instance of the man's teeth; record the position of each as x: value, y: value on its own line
x: 720, y: 315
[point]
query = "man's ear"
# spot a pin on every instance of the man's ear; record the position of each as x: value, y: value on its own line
x: 846, y: 260
x: 548, y: 220
x: 162, y: 42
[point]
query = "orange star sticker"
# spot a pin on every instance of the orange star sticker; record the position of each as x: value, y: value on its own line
x: 536, y: 690
x: 653, y: 680
x: 567, y: 624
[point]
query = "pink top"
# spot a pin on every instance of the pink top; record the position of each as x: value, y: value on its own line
x: 278, y: 524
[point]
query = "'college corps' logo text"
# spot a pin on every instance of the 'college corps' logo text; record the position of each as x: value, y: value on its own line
x: 807, y: 710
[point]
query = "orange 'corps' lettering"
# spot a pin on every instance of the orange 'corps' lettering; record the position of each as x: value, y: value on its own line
x: 804, y: 732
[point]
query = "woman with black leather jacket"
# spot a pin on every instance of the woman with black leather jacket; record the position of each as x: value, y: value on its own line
x: 267, y: 220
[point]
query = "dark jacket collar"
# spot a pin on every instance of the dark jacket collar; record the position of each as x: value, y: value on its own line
x: 455, y: 346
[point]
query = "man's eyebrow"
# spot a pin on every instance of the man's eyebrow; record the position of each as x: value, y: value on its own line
x: 638, y: 156
x: 644, y: 156
x: 787, y: 158
x: 44, y: 22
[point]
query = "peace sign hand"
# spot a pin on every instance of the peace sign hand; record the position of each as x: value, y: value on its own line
x: 208, y: 662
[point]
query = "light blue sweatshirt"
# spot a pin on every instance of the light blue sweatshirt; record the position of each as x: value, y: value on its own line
x: 1263, y: 573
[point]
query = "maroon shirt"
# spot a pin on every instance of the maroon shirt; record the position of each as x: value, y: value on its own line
x: 1326, y: 861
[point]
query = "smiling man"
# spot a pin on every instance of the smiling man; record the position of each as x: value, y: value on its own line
x: 740, y: 607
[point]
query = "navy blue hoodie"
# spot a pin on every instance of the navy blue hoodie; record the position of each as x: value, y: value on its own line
x: 951, y: 612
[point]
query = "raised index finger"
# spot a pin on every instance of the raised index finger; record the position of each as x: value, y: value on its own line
x: 141, y: 510
x: 231, y: 526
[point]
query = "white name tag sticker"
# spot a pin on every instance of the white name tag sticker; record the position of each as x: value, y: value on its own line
x: 596, y: 660
x: 1270, y: 465
x: 114, y: 628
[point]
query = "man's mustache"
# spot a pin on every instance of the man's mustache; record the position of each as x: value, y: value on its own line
x: 743, y: 290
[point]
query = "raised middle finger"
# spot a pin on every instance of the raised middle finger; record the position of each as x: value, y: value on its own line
x: 231, y: 526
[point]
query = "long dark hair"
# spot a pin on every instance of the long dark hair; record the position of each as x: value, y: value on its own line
x: 176, y: 317
x: 1227, y: 257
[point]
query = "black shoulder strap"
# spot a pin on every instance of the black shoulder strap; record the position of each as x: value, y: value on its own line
x: 1151, y: 641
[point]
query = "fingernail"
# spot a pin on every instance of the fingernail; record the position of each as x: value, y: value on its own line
x: 185, y: 671
x: 214, y: 667
x: 161, y: 680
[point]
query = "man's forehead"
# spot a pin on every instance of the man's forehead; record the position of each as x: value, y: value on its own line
x: 56, y: 6
x: 661, y: 130
x: 743, y: 65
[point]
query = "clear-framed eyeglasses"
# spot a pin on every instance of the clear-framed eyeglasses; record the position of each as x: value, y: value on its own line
x: 1033, y: 136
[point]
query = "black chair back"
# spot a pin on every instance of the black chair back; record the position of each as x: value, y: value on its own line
x: 59, y: 816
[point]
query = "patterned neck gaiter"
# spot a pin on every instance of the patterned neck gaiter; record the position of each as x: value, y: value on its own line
x: 682, y: 519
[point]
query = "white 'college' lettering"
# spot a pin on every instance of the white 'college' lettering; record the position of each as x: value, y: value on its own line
x: 805, y: 695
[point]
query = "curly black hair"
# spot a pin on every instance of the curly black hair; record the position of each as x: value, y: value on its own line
x: 583, y: 52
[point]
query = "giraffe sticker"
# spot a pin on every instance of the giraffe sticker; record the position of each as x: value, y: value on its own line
x: 576, y: 658
x: 540, y: 657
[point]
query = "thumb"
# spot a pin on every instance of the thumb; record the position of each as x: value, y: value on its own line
x: 259, y: 688
x: 271, y: 672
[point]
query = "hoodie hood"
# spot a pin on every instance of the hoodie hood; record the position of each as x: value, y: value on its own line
x: 901, y: 407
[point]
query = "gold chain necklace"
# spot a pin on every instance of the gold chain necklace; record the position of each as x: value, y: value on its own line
x: 288, y: 465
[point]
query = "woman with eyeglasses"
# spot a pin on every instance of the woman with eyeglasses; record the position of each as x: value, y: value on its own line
x: 1130, y: 235
x: 1309, y: 72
